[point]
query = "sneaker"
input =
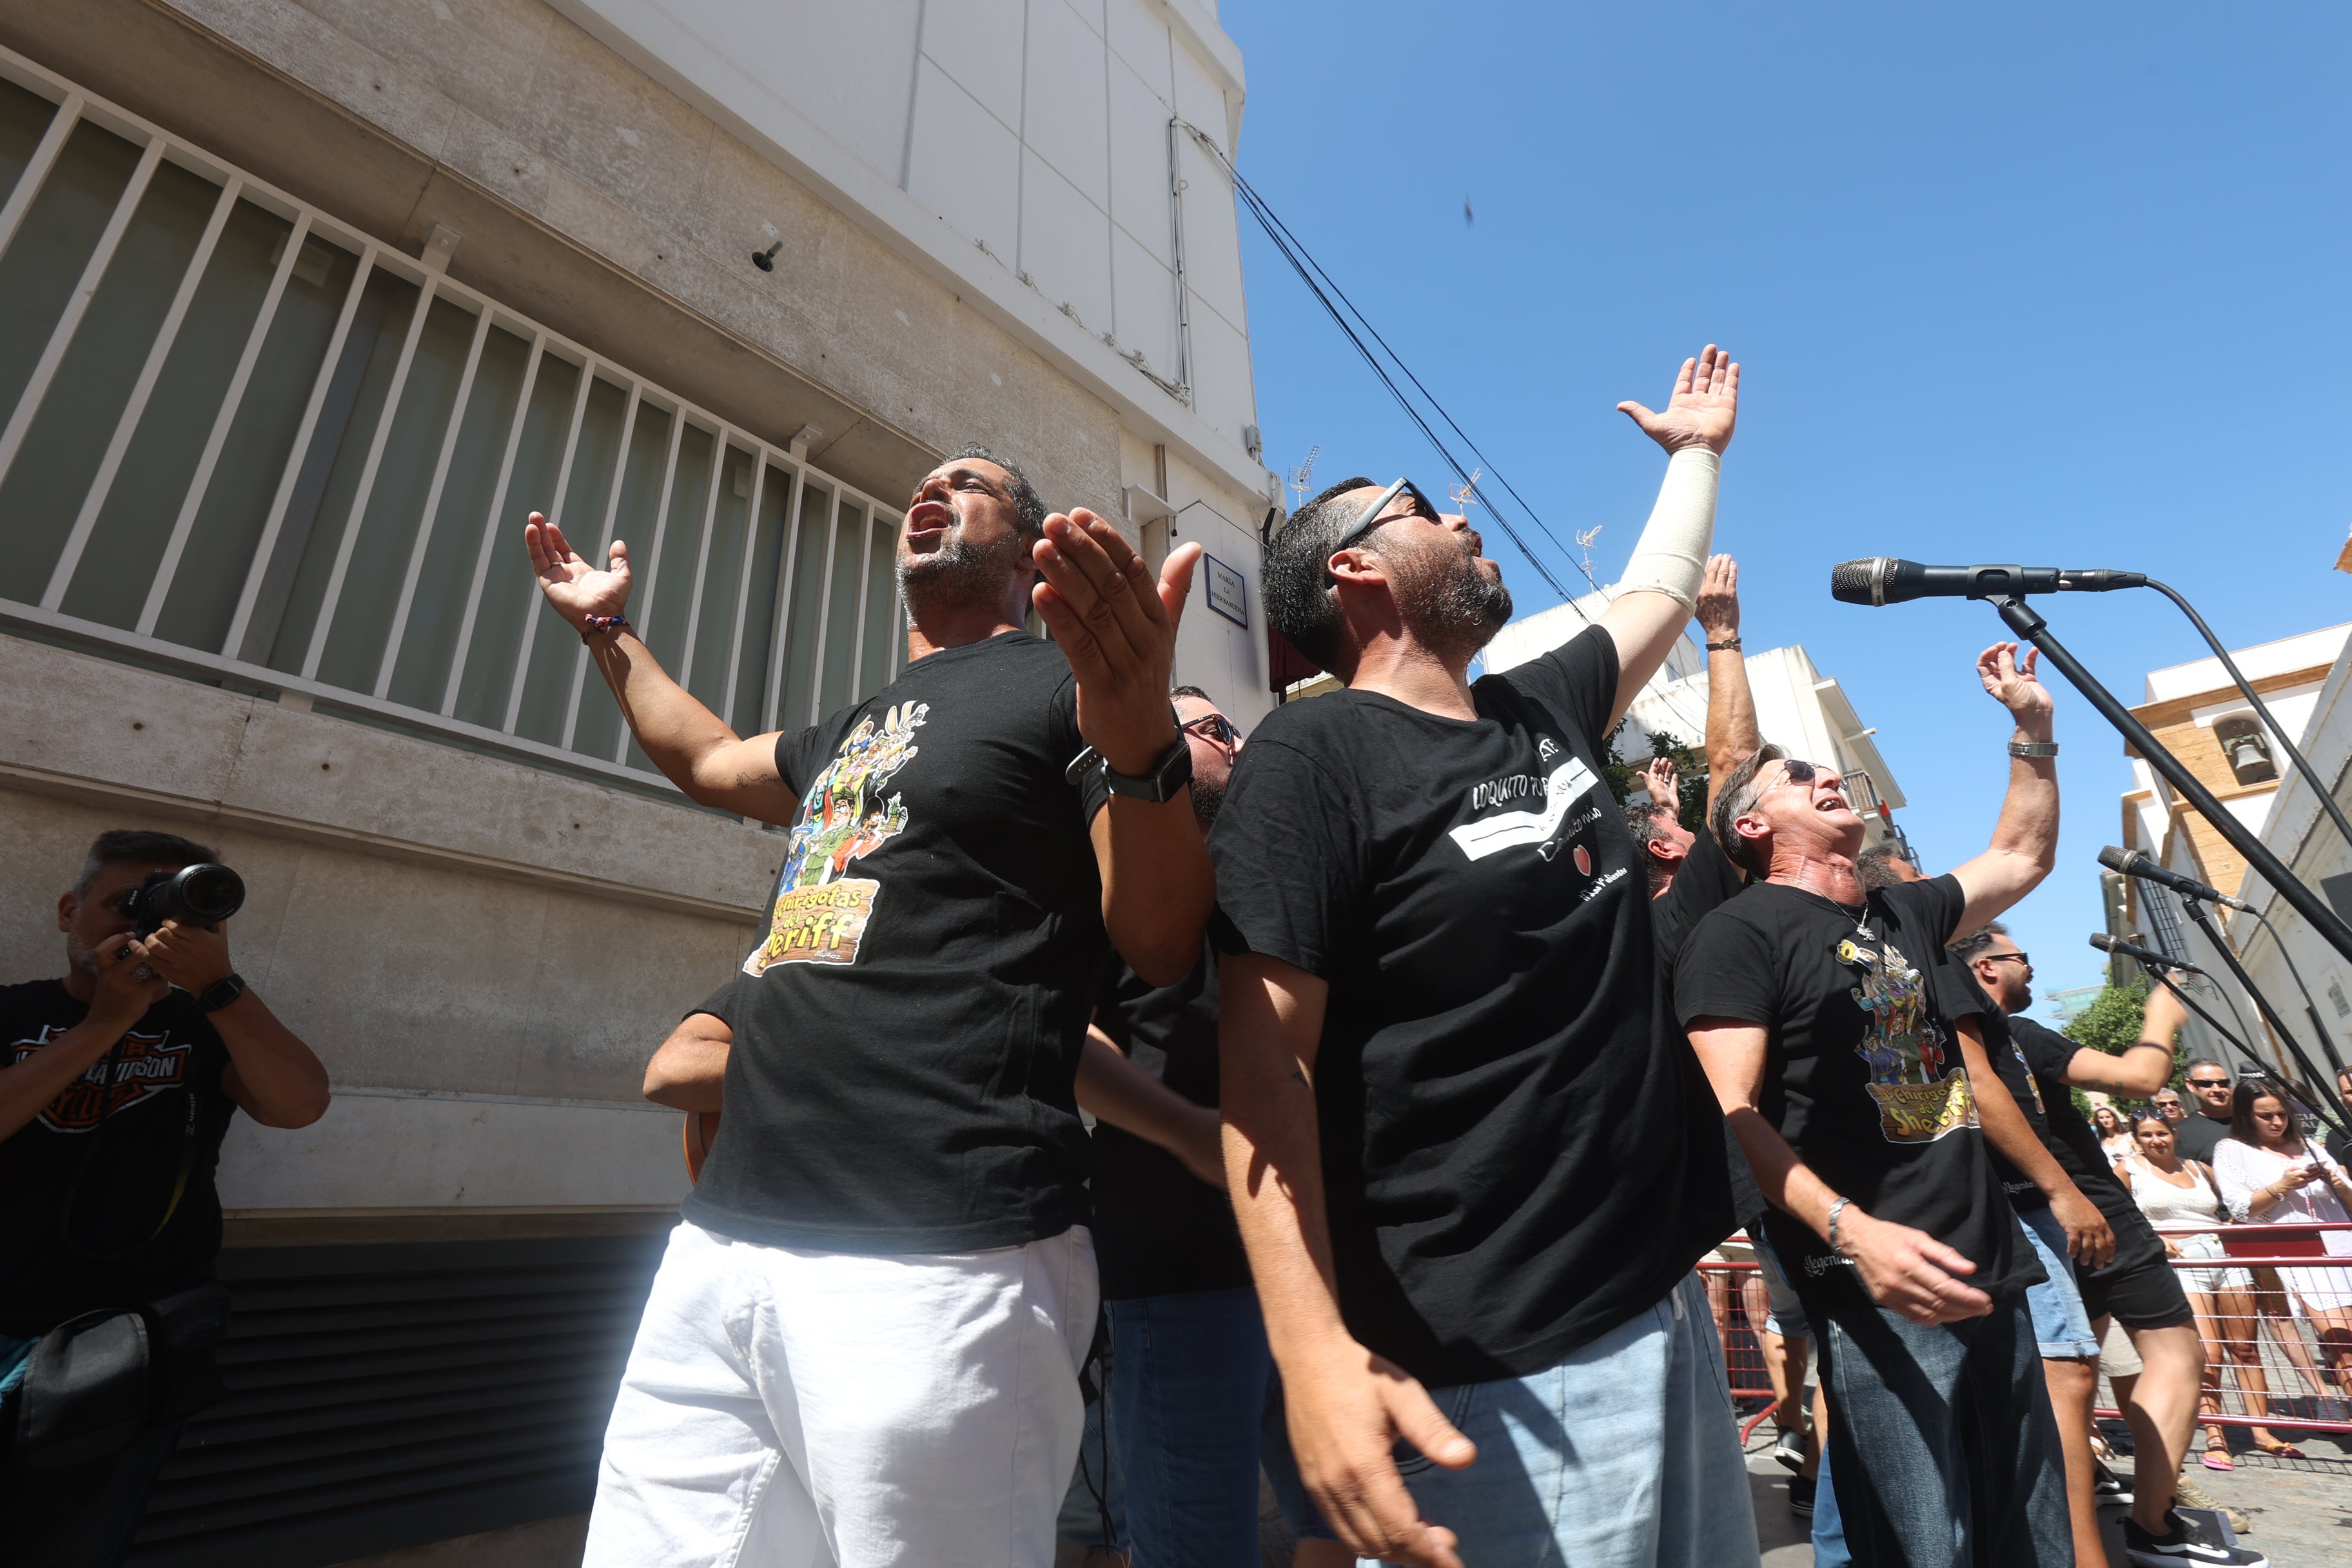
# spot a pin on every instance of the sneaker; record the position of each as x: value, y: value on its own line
x: 2107, y: 1487
x: 2176, y: 1545
x: 1801, y: 1495
x: 2190, y: 1494
x: 1790, y: 1449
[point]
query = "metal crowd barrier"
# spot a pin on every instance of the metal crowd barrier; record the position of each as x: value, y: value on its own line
x: 2259, y: 1306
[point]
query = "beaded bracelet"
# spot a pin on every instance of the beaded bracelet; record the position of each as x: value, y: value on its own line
x: 596, y: 624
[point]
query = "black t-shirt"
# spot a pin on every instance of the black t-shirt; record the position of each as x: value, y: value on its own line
x: 1960, y: 995
x: 1862, y: 1074
x: 1158, y: 1229
x: 2074, y: 1144
x: 1705, y: 879
x: 907, y: 1031
x: 2196, y: 1135
x: 1518, y: 1153
x: 85, y: 1185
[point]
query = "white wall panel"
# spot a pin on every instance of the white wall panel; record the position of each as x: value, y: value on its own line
x: 1221, y: 375
x: 978, y: 42
x: 967, y: 164
x: 1147, y: 303
x: 1067, y: 114
x: 1138, y: 161
x: 1213, y: 252
x: 1065, y: 244
x: 1138, y: 35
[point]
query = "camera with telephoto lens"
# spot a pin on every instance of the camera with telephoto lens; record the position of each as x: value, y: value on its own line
x: 199, y: 895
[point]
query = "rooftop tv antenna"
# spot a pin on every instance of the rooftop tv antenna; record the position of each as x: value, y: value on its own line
x: 1465, y: 494
x: 1584, y: 543
x: 1303, y: 474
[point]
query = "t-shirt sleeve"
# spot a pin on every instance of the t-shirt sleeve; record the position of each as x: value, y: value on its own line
x: 1578, y: 680
x: 1289, y: 861
x: 1929, y: 910
x: 799, y: 755
x: 1093, y: 793
x: 1958, y: 995
x: 1727, y: 971
x: 2048, y: 1053
x: 719, y: 1004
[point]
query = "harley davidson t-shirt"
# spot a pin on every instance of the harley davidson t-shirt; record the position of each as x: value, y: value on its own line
x: 1519, y: 1153
x: 908, y: 1024
x: 1862, y: 1074
x: 107, y: 1195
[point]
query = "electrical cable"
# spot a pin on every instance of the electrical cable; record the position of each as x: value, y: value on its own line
x: 2326, y: 1041
x: 2261, y: 710
x: 1324, y: 288
x: 2165, y: 979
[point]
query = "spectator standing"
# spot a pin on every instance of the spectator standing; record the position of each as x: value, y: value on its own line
x: 118, y: 1082
x: 2270, y: 1175
x: 2114, y: 1130
x: 2196, y: 1133
x: 2134, y: 1285
x: 863, y: 1339
x: 1472, y: 1168
x: 1840, y: 1076
x: 2339, y: 1144
x: 2172, y: 1193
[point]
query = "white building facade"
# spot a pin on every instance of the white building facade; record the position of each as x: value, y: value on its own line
x: 304, y: 304
x: 1797, y: 707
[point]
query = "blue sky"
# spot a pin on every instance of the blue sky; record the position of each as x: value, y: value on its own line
x: 2058, y: 285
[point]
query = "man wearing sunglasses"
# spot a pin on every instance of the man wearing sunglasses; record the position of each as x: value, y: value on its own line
x: 1471, y: 1164
x: 2195, y: 1136
x: 1809, y: 1000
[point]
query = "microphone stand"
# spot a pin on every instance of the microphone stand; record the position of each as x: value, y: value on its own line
x: 2027, y: 624
x: 2204, y: 922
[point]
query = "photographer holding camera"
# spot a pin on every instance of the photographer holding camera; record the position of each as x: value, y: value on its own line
x: 117, y: 1083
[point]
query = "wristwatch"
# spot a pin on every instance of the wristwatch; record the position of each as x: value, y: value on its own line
x: 1171, y: 773
x: 221, y: 992
x: 2034, y: 748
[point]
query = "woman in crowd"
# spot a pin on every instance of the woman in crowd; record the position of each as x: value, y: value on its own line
x: 2270, y: 1175
x: 2173, y: 1192
x: 2114, y: 1132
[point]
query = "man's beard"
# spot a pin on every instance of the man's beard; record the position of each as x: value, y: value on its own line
x: 1448, y: 604
x: 960, y: 574
x: 1208, y: 799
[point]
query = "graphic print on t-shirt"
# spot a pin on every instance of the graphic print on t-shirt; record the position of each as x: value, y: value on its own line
x: 1568, y: 782
x: 143, y: 1066
x: 820, y: 915
x: 1904, y: 1050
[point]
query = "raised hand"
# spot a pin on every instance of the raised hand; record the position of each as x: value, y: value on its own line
x: 2011, y: 682
x: 1719, y: 599
x: 1658, y: 778
x: 1117, y: 629
x: 1703, y: 409
x: 576, y: 589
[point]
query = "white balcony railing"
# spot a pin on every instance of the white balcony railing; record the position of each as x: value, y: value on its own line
x: 250, y: 443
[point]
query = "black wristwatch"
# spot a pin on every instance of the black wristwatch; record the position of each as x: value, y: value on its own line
x: 221, y: 992
x: 1170, y: 773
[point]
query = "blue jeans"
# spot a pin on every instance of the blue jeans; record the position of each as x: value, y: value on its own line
x: 1195, y: 1409
x: 1829, y: 1529
x: 1626, y: 1455
x: 2061, y: 1328
x: 1945, y: 1444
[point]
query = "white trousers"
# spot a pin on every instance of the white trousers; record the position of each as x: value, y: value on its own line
x: 792, y: 1409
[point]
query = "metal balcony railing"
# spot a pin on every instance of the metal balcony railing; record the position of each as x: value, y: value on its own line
x: 246, y: 441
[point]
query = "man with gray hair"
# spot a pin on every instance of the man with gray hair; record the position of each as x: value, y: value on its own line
x: 863, y: 1344
x: 1811, y: 1002
x: 1471, y: 1164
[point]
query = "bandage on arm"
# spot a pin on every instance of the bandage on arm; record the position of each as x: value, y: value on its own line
x: 1670, y: 557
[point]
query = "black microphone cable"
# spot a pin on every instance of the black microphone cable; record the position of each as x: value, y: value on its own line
x: 2326, y: 1041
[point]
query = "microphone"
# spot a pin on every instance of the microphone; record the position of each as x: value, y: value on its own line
x: 1884, y: 580
x: 2131, y: 863
x: 2106, y: 943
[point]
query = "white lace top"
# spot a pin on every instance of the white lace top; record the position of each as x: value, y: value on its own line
x: 2244, y: 1169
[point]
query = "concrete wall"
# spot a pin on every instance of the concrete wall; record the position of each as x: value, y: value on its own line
x: 483, y: 955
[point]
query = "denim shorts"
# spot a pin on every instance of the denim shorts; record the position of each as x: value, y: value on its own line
x: 2062, y: 1330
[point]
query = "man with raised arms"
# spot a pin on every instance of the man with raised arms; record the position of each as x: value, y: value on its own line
x: 1471, y: 1162
x: 863, y: 1344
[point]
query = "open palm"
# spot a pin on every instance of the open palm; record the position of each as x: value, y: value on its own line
x: 1702, y: 411
x: 576, y: 589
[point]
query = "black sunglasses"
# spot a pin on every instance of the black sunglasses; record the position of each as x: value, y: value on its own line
x: 1213, y: 727
x: 1372, y: 518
